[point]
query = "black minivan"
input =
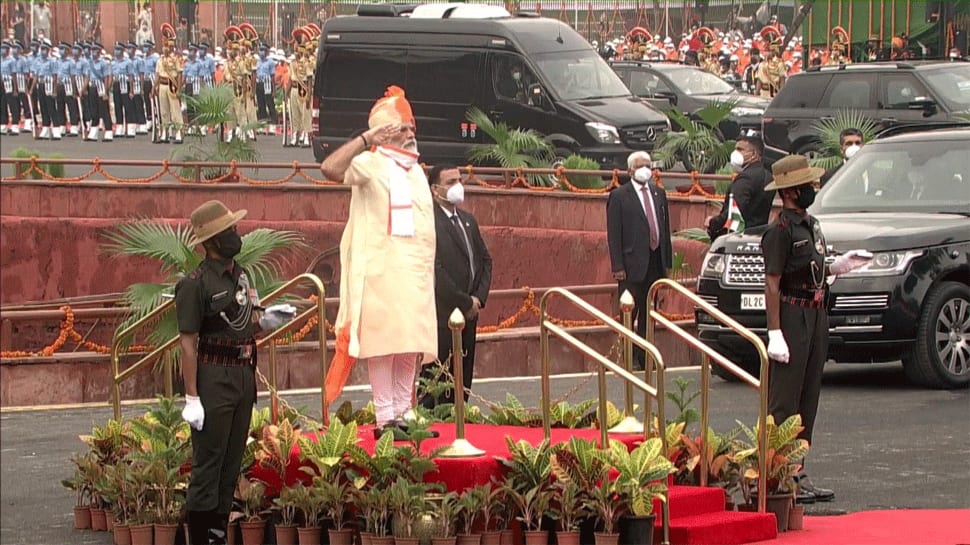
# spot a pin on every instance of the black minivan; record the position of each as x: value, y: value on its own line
x: 528, y: 72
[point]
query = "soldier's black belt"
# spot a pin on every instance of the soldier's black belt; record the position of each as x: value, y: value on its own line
x: 227, y: 352
x: 805, y: 299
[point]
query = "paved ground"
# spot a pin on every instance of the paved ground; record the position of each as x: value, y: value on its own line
x: 881, y: 444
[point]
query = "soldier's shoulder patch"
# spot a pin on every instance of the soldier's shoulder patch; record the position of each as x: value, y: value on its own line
x: 195, y: 274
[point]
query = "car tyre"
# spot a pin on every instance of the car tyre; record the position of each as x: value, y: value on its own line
x: 941, y: 355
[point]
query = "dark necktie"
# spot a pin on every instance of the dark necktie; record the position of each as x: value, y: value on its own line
x: 651, y: 218
x: 468, y: 247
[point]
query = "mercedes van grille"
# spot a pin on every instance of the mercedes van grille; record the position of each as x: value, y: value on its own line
x: 745, y: 270
x: 862, y: 302
x: 642, y: 135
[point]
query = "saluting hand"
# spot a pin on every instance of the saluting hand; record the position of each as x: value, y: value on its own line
x: 380, y: 135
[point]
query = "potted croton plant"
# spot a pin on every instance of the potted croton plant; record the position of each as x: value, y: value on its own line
x: 532, y: 505
x: 493, y: 504
x: 285, y: 508
x: 570, y: 509
x: 336, y: 495
x: 446, y: 511
x: 308, y: 502
x: 470, y: 503
x: 642, y: 478
x: 607, y: 506
x: 785, y: 452
x: 253, y: 523
x: 409, y: 503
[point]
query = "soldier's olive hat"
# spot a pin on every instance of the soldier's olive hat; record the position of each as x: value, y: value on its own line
x: 793, y: 171
x: 210, y: 219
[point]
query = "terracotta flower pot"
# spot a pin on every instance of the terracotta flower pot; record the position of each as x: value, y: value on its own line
x: 253, y: 532
x: 536, y: 537
x: 165, y: 533
x: 141, y: 534
x: 382, y: 540
x: 309, y: 536
x: 491, y: 538
x: 82, y: 518
x: 109, y: 520
x: 340, y: 537
x: 122, y: 534
x: 796, y: 517
x: 366, y: 538
x: 469, y: 539
x: 286, y: 535
x: 444, y: 540
x: 567, y: 538
x: 99, y: 520
x: 508, y: 537
x: 401, y: 541
x: 232, y: 537
x: 606, y: 539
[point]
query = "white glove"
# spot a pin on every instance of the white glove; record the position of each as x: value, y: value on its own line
x: 275, y: 316
x: 193, y: 413
x: 850, y: 261
x: 777, y: 347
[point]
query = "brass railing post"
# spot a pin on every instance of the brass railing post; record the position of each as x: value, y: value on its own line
x: 544, y: 400
x: 604, y: 421
x: 629, y: 424
x: 115, y: 382
x: 461, y: 447
x: 705, y: 408
x: 169, y: 365
x: 274, y: 400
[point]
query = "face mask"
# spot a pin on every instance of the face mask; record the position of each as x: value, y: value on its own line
x: 455, y: 194
x: 43, y: 54
x: 851, y: 150
x: 229, y: 244
x: 643, y: 175
x: 737, y: 159
x: 806, y: 196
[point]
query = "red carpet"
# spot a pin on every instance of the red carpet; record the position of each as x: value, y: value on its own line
x: 697, y: 515
x: 900, y: 527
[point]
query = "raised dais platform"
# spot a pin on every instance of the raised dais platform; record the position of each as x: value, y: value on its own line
x: 697, y: 515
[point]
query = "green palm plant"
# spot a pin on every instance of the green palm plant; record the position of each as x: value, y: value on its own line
x: 213, y: 107
x: 698, y: 144
x: 169, y: 246
x: 512, y: 148
x: 583, y: 181
x: 827, y: 131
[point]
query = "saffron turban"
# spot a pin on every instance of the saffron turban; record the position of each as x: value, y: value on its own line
x: 392, y: 108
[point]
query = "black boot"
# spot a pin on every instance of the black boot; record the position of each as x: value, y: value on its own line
x: 199, y: 523
x: 219, y: 529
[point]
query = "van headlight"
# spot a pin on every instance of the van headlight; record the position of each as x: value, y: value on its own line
x: 603, y: 133
x: 887, y: 264
x: 713, y: 266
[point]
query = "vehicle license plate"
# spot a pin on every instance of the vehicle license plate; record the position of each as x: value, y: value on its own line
x: 752, y: 301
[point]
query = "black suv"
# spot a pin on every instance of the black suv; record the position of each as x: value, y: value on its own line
x: 905, y: 198
x: 888, y: 93
x: 688, y: 89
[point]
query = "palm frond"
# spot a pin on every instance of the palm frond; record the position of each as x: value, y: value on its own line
x: 716, y: 111
x: 694, y: 233
x: 212, y: 106
x: 154, y: 240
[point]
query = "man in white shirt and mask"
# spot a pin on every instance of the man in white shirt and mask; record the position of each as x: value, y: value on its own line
x: 850, y: 142
x: 638, y: 235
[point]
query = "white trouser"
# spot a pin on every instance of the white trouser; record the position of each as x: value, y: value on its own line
x: 392, y: 382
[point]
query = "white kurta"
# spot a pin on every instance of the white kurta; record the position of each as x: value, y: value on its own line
x: 386, y: 282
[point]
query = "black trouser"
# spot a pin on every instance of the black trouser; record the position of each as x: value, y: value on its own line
x: 138, y: 107
x: 9, y: 102
x: 146, y: 97
x: 639, y: 289
x: 67, y: 109
x: 228, y: 395
x: 794, y: 387
x: 428, y: 372
x: 265, y: 105
x: 124, y: 109
x: 27, y: 100
x: 186, y: 99
x: 98, y: 108
x: 46, y: 103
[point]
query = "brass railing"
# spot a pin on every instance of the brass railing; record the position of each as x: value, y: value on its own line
x: 708, y: 354
x: 164, y: 349
x: 547, y: 327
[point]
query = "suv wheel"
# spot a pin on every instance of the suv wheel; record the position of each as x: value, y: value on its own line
x: 941, y: 355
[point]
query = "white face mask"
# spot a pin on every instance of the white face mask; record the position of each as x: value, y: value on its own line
x: 737, y: 159
x: 643, y: 175
x: 852, y: 150
x: 456, y: 194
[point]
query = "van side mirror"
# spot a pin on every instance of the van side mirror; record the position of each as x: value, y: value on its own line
x: 535, y: 91
x: 671, y: 97
x: 928, y: 105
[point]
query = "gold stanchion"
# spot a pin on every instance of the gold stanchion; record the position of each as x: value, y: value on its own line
x: 460, y: 448
x: 629, y: 424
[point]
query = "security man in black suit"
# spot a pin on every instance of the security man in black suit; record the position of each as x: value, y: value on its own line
x: 748, y: 188
x: 638, y: 233
x: 463, y: 273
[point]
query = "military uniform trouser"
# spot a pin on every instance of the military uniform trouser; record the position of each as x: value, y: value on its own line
x: 124, y: 107
x: 169, y: 107
x: 299, y: 115
x: 266, y: 104
x: 46, y: 103
x: 66, y: 109
x: 9, y: 103
x: 99, y: 109
x: 228, y: 395
x: 27, y: 101
x: 146, y: 99
x: 794, y: 387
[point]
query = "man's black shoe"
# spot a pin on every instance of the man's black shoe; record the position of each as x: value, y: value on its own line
x: 805, y: 484
x: 804, y: 497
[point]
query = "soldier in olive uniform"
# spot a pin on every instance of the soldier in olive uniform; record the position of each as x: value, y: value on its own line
x: 217, y: 311
x: 771, y: 74
x: 795, y: 300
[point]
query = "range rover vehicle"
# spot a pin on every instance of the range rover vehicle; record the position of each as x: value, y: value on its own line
x: 906, y: 198
x: 889, y: 93
x: 529, y: 72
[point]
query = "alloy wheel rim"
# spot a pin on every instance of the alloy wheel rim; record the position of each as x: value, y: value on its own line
x: 953, y: 336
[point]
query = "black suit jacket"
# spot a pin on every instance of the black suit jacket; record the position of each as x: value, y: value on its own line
x: 452, y: 273
x: 628, y: 232
x: 749, y: 192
